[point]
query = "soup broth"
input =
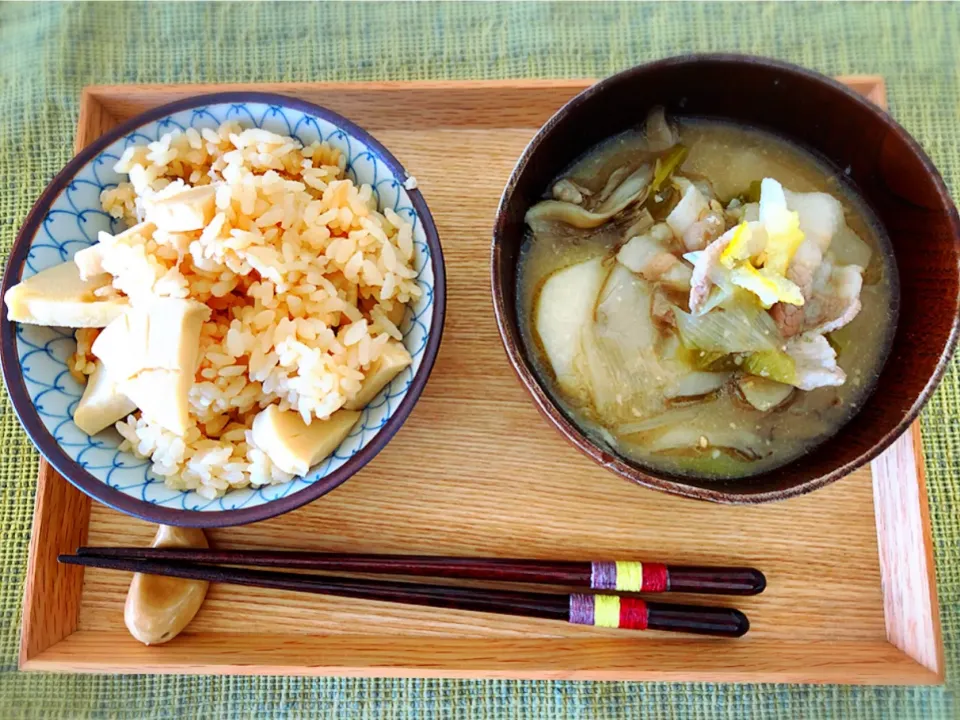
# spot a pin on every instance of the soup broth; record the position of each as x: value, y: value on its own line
x: 704, y: 298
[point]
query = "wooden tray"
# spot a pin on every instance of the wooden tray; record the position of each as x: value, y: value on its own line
x: 851, y: 595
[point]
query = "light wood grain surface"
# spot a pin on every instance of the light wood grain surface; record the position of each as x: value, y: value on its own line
x: 911, y: 612
x: 52, y: 593
x: 476, y: 471
x: 610, y: 658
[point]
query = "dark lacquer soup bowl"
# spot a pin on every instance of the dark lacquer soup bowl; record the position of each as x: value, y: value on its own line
x: 885, y: 166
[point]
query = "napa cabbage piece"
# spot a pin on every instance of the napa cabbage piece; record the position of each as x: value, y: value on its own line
x: 711, y: 283
x: 807, y: 362
x: 783, y: 227
x: 756, y: 254
x: 739, y: 326
x: 739, y: 246
x: 714, y: 361
x: 768, y: 286
x: 617, y: 362
x: 718, y: 295
x: 773, y: 365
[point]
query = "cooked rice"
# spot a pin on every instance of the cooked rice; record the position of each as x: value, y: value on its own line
x: 81, y: 362
x: 301, y: 271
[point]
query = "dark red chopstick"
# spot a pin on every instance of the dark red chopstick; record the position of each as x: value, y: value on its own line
x: 599, y: 610
x: 620, y: 576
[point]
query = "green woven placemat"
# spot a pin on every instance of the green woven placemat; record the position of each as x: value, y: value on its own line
x: 49, y: 51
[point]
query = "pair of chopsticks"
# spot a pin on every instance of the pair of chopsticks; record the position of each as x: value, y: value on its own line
x: 600, y: 609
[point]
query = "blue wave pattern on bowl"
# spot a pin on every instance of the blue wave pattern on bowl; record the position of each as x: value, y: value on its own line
x: 74, y: 221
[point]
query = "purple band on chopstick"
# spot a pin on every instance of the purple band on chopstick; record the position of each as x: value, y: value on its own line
x: 603, y: 576
x: 581, y: 609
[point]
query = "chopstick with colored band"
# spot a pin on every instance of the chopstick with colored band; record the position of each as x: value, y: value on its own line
x: 622, y: 576
x: 598, y: 610
x: 629, y: 576
x: 631, y: 613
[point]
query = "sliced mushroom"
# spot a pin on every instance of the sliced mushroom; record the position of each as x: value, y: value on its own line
x: 566, y: 190
x: 158, y: 608
x: 697, y: 384
x: 660, y: 136
x: 633, y: 189
x: 738, y: 442
x: 614, y: 180
x: 637, y: 224
x: 762, y: 393
x: 674, y: 416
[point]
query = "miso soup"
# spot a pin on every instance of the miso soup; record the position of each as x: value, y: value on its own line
x: 705, y: 298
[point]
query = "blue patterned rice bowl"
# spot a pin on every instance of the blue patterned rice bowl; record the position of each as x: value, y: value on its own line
x: 68, y: 218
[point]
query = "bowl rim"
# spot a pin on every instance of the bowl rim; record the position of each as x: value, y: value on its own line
x: 143, y: 509
x: 675, y: 485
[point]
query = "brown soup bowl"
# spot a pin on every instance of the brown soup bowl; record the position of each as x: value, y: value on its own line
x: 885, y: 165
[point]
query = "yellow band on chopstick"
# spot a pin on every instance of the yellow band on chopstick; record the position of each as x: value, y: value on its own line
x: 629, y: 576
x: 606, y: 611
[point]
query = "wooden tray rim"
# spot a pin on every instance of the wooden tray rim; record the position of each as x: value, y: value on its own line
x: 912, y: 654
